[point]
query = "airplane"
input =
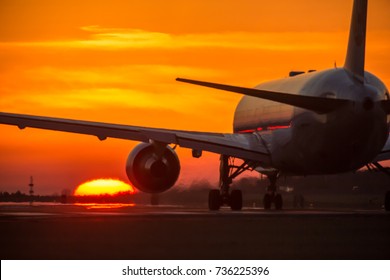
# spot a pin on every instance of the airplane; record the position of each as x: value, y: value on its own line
x: 320, y: 122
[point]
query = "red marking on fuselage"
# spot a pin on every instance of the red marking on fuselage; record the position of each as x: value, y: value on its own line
x: 247, y: 131
x: 274, y: 127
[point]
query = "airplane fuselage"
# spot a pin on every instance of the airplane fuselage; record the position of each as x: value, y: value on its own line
x: 305, y: 142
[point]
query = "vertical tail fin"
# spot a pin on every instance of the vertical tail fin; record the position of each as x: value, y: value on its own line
x: 354, y: 61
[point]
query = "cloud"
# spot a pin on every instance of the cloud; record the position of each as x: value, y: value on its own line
x: 123, y: 38
x: 130, y: 86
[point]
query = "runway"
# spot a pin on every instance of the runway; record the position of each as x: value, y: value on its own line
x: 175, y: 232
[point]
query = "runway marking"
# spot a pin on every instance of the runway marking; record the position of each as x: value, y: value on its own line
x: 28, y: 214
x: 67, y: 212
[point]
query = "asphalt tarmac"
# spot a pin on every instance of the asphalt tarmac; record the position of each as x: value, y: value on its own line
x: 173, y: 232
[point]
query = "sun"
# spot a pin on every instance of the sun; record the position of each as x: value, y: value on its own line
x: 103, y: 186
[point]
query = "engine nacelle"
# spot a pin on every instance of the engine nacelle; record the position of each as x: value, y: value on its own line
x: 150, y: 172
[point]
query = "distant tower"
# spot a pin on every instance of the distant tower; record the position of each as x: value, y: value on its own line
x: 31, y: 185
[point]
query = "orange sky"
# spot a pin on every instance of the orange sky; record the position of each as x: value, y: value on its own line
x: 116, y: 61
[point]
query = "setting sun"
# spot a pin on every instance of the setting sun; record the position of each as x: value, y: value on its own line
x: 103, y: 186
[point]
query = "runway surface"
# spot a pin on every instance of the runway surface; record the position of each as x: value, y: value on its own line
x: 174, y: 232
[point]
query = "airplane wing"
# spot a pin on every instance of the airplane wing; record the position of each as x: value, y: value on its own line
x: 385, y: 153
x: 244, y: 146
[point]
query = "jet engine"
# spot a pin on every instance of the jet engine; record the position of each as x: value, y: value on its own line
x: 151, y: 168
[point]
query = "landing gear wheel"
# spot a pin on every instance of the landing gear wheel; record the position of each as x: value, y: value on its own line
x: 267, y: 201
x: 214, y: 200
x: 387, y: 201
x: 236, y: 200
x: 270, y: 198
x: 299, y: 201
x: 278, y: 200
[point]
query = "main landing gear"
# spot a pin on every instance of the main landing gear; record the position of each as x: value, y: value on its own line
x: 271, y: 196
x: 228, y: 171
x: 378, y: 166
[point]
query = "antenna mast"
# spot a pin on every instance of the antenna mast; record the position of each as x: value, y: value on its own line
x: 31, y: 185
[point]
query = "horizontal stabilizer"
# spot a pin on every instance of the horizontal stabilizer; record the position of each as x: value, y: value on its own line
x: 319, y: 105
